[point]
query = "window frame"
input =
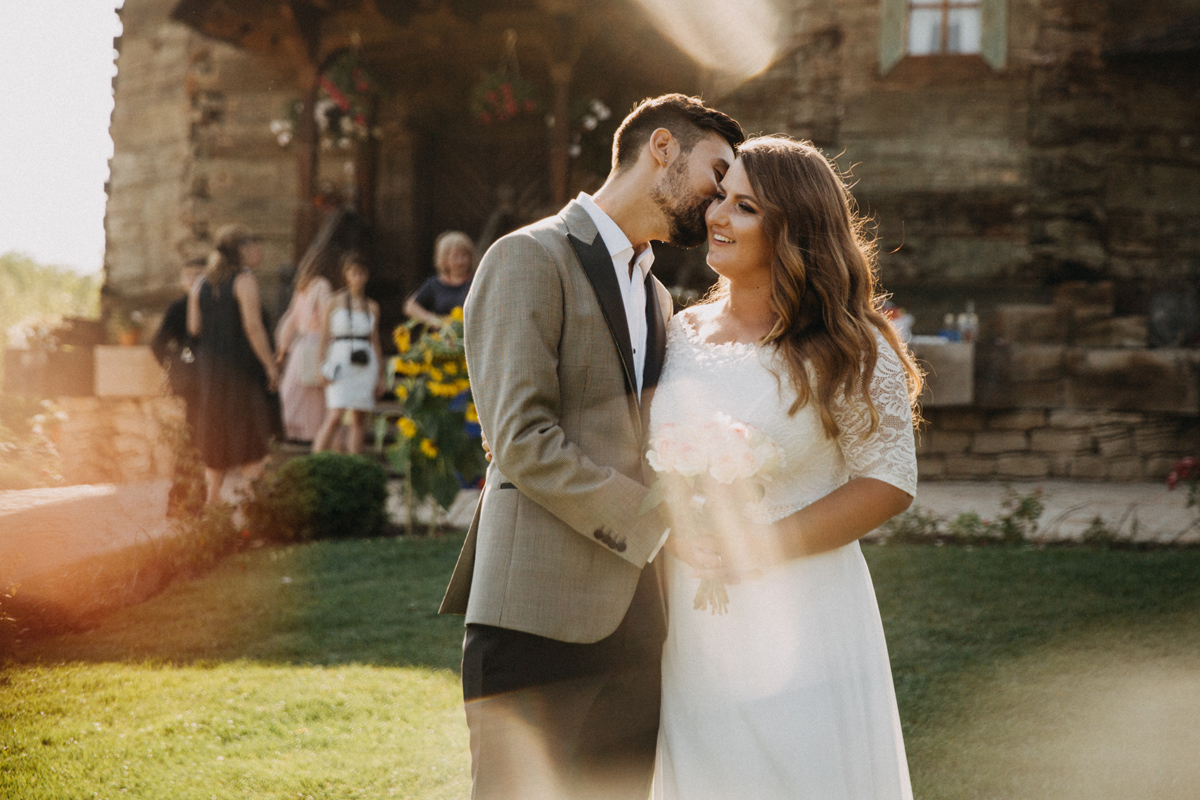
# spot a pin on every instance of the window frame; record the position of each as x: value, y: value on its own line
x: 944, y: 6
x: 893, y: 33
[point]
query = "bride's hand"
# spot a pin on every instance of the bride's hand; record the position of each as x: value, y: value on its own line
x: 746, y: 557
x: 698, y: 552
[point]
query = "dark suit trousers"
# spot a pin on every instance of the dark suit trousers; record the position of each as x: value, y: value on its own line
x: 552, y: 719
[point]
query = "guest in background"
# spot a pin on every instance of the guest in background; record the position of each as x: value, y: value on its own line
x: 454, y: 260
x: 298, y: 352
x: 175, y: 348
x: 236, y: 369
x: 351, y: 360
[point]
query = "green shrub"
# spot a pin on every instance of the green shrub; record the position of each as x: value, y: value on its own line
x: 915, y: 526
x: 320, y: 496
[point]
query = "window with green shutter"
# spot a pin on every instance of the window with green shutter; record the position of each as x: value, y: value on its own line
x: 943, y: 27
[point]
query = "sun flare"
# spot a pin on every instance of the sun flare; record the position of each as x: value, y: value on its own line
x: 735, y: 39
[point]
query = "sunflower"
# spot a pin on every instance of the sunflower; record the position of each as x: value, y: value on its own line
x: 402, y: 338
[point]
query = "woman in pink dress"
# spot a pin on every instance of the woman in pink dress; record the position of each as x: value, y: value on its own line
x: 297, y: 344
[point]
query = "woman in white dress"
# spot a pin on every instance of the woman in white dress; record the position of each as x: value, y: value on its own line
x: 351, y: 360
x: 789, y: 693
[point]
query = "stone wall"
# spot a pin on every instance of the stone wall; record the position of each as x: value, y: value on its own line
x: 994, y: 184
x: 1031, y: 444
x: 1115, y: 147
x: 118, y: 440
x: 1077, y: 352
x: 193, y: 151
x: 145, y: 224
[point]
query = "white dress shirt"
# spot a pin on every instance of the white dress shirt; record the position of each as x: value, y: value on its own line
x: 633, y: 292
x: 631, y: 277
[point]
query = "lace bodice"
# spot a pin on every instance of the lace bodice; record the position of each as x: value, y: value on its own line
x: 702, y: 379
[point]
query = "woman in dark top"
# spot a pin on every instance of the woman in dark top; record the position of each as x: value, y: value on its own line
x: 235, y: 367
x: 454, y: 260
x: 175, y: 348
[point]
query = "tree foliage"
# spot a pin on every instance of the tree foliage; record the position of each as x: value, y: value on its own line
x: 32, y: 291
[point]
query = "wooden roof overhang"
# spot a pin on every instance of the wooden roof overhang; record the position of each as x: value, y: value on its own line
x: 463, y: 32
x: 433, y: 52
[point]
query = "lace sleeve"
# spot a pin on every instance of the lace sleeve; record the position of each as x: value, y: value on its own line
x: 889, y: 453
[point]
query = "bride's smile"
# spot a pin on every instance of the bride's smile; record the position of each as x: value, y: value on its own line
x: 738, y: 246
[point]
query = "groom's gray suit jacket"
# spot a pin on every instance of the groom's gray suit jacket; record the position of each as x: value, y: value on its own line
x: 557, y: 544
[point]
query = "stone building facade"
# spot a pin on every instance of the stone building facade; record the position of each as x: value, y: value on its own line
x: 1040, y: 159
x: 192, y: 151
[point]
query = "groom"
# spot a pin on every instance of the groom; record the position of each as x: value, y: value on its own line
x: 565, y: 338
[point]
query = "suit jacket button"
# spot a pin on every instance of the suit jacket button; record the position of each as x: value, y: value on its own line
x: 599, y: 534
x: 621, y: 547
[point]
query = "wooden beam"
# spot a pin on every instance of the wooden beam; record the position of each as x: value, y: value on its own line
x: 308, y: 26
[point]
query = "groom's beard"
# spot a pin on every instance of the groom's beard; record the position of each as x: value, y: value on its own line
x: 683, y: 209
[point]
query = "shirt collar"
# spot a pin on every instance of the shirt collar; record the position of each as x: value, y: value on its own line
x: 618, y: 244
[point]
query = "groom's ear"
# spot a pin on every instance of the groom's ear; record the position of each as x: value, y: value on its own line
x: 663, y: 147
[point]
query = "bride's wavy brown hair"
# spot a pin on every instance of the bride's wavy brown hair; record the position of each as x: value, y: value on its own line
x: 824, y: 278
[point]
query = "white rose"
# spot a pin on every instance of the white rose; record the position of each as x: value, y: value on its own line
x: 690, y: 459
x: 768, y: 455
x: 726, y: 466
x: 662, y: 448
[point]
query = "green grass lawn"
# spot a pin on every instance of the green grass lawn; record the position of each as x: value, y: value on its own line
x: 324, y: 671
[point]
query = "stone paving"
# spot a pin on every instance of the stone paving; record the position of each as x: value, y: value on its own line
x: 1139, y: 511
x: 43, y: 530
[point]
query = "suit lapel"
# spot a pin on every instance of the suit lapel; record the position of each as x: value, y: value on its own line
x: 656, y: 348
x: 656, y: 337
x: 598, y: 266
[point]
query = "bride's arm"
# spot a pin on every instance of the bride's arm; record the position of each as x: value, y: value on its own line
x: 882, y: 466
x: 840, y: 517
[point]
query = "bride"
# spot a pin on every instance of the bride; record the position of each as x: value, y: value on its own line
x: 789, y: 693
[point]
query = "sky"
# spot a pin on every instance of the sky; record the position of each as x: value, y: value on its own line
x: 56, y: 70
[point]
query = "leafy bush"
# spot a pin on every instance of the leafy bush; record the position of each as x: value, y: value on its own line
x: 1016, y: 524
x: 319, y: 496
x: 186, y: 496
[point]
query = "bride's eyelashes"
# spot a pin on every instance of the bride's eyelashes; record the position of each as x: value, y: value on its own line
x: 742, y: 206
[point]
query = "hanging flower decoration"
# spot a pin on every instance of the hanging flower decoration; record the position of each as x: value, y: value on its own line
x: 342, y: 109
x: 500, y: 96
x: 588, y: 116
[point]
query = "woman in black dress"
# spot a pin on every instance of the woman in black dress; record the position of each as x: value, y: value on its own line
x: 236, y: 369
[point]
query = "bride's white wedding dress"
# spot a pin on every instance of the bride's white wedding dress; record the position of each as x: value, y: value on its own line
x: 789, y: 694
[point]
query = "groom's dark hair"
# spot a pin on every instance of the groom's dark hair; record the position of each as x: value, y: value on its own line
x: 687, y: 118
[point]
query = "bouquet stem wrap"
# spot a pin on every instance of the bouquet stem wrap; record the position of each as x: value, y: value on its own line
x: 709, y: 472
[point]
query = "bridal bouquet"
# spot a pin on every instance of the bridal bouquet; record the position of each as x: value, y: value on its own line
x: 709, y: 471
